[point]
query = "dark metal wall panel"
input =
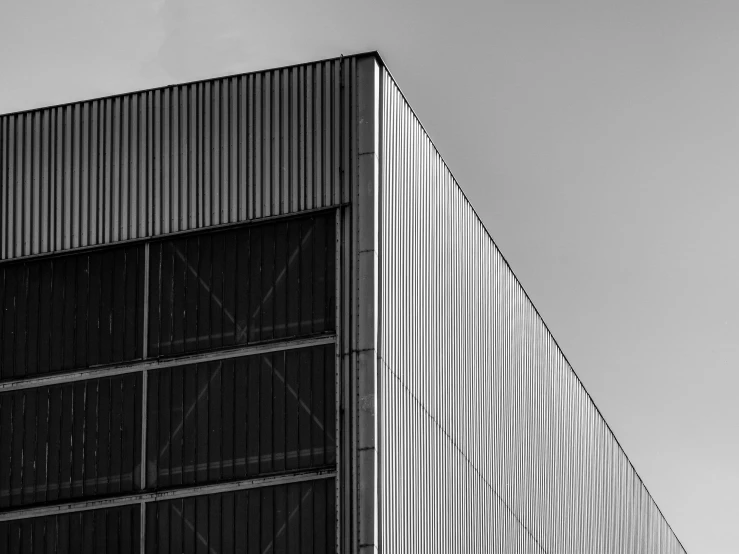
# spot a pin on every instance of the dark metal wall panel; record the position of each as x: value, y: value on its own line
x: 240, y: 418
x: 70, y: 312
x: 182, y: 157
x: 262, y: 282
x: 250, y: 413
x: 295, y: 518
x: 113, y: 530
x: 77, y: 440
x: 209, y: 290
x: 488, y: 441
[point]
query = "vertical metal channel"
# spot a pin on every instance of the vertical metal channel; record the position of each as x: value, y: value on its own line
x: 481, y: 412
x: 365, y: 303
x: 144, y: 399
x: 338, y: 381
x: 378, y: 284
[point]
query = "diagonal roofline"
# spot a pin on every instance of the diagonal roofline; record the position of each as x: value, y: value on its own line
x: 373, y: 53
x: 530, y: 300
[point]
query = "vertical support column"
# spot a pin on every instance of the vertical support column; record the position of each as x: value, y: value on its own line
x: 142, y: 531
x: 365, y: 303
x: 338, y: 366
x: 144, y: 380
x: 144, y: 399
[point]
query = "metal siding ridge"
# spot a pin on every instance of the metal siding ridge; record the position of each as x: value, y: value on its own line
x: 265, y: 144
x: 318, y: 136
x: 116, y: 207
x: 336, y: 120
x: 130, y: 172
x: 299, y: 116
x: 233, y: 155
x: 309, y: 83
x: 207, y: 154
x: 16, y: 187
x: 125, y: 161
x: 275, y: 143
x: 281, y: 124
x: 291, y: 107
x: 226, y: 121
x: 35, y: 155
x: 43, y: 220
x: 170, y: 152
x: 57, y: 177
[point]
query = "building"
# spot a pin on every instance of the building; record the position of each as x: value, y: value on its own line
x: 257, y: 314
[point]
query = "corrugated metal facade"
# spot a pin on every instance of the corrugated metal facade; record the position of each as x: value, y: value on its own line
x: 295, y: 518
x: 113, y: 531
x: 188, y: 322
x: 65, y: 312
x: 488, y: 441
x: 240, y: 418
x: 172, y: 159
x: 400, y: 392
x: 244, y: 394
x: 70, y: 441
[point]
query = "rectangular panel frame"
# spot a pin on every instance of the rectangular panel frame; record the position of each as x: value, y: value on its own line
x: 342, y: 272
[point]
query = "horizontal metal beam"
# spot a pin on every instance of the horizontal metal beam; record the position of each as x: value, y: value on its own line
x: 173, y: 494
x: 148, y: 365
x: 172, y: 235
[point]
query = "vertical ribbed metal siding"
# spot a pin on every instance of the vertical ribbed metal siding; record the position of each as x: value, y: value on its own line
x: 113, y: 531
x: 489, y: 442
x: 241, y: 418
x: 68, y: 312
x: 295, y: 518
x: 70, y: 441
x: 172, y: 159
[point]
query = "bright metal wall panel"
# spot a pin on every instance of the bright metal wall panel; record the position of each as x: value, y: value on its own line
x: 294, y: 518
x: 488, y: 440
x: 177, y: 158
x: 114, y: 531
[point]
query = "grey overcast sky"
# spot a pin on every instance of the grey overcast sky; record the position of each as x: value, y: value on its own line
x: 597, y: 140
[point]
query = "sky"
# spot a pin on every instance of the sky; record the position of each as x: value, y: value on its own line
x: 598, y: 141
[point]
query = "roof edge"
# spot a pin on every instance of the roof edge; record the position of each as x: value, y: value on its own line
x: 370, y: 53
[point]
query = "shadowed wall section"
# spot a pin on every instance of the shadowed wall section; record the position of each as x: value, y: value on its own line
x: 489, y: 442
